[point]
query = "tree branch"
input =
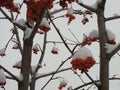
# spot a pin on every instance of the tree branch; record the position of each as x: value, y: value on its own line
x: 112, y: 18
x: 113, y: 52
x: 59, y: 33
x: 97, y: 81
x: 55, y: 72
x: 86, y: 6
x: 51, y: 73
x: 10, y: 19
x: 9, y: 73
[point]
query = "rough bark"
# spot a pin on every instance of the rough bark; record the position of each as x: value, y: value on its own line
x: 26, y: 63
x: 104, y: 62
x: 32, y: 85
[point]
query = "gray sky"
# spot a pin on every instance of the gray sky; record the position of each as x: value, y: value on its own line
x: 53, y: 61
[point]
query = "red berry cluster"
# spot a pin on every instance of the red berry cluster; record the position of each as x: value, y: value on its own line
x: 71, y: 17
x: 62, y: 85
x: 35, y: 7
x: 8, y: 4
x: 88, y: 41
x: 82, y: 64
x: 63, y: 3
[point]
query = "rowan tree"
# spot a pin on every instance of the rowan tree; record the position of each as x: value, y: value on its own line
x: 45, y: 48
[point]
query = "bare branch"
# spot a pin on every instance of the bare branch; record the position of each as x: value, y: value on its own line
x: 114, y: 51
x: 97, y: 85
x: 59, y: 33
x: 55, y: 72
x: 51, y: 73
x: 57, y: 11
x: 97, y: 81
x: 86, y: 6
x: 10, y: 19
x: 59, y: 42
x: 112, y: 18
x: 9, y: 73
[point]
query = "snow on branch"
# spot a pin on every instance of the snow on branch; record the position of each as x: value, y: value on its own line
x: 20, y: 22
x: 110, y: 48
x: 51, y: 73
x: 86, y: 6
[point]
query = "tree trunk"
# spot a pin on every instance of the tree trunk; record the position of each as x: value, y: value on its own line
x: 32, y: 85
x: 26, y: 65
x: 104, y: 62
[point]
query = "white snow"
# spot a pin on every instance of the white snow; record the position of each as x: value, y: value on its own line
x: 83, y: 53
x: 15, y: 45
x: 20, y: 22
x: 2, y: 76
x: 93, y: 34
x: 20, y: 77
x: 36, y: 46
x: 70, y: 88
x: 110, y: 34
x: 96, y: 4
x: 110, y: 48
x: 17, y: 5
x: 63, y: 82
x: 45, y: 22
x: 84, y: 38
x: 2, y: 51
x: 33, y: 68
x: 55, y: 48
x: 17, y: 64
x: 116, y: 14
x: 27, y: 32
x: 70, y: 11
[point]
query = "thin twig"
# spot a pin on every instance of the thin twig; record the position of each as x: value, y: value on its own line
x: 55, y: 72
x: 91, y: 79
x: 84, y: 85
x: 9, y: 73
x: 74, y: 36
x: 59, y: 42
x: 112, y: 18
x: 59, y: 33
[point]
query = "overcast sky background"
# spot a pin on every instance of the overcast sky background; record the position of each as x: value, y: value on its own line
x: 53, y: 61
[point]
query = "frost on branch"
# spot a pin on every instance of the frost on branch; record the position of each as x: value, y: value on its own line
x: 110, y: 47
x: 82, y: 60
x: 2, y: 78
